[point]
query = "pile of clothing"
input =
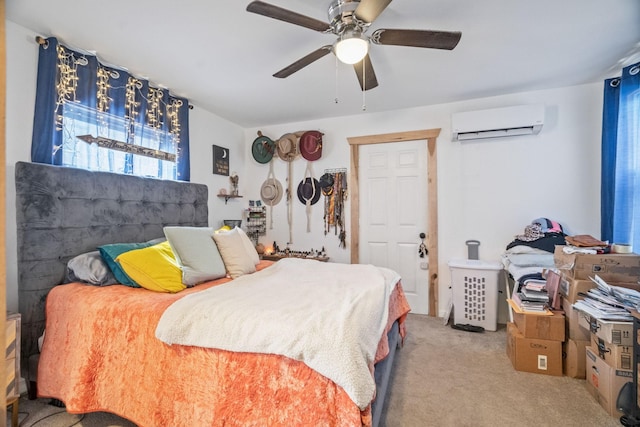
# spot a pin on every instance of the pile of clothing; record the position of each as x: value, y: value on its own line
x: 530, y: 253
x: 542, y: 233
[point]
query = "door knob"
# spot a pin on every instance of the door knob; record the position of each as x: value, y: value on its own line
x: 422, y: 250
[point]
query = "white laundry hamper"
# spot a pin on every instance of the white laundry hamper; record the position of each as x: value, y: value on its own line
x: 474, y: 286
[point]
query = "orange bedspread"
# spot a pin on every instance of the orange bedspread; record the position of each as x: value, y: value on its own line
x: 100, y: 354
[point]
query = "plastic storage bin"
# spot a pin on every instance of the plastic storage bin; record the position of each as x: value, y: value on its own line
x: 474, y: 285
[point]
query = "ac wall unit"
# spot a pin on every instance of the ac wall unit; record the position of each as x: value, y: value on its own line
x: 498, y: 122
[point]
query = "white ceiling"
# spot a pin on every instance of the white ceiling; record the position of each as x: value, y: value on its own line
x: 222, y: 57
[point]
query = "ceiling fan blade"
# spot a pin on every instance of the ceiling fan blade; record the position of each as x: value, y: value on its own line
x: 303, y: 62
x: 369, y: 10
x: 275, y: 12
x: 417, y: 38
x: 366, y: 77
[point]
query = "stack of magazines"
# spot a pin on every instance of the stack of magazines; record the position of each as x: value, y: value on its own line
x: 607, y: 302
x: 531, y: 295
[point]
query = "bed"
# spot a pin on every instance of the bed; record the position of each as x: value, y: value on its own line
x: 120, y: 366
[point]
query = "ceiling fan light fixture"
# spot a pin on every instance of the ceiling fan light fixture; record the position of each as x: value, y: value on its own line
x: 351, y: 47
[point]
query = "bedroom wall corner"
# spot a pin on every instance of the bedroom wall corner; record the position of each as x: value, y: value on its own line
x: 22, y: 63
x: 207, y: 129
x: 3, y: 203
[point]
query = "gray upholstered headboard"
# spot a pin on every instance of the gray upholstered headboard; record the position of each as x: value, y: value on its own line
x: 62, y: 212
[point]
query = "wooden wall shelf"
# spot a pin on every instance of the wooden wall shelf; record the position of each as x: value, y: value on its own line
x: 228, y: 196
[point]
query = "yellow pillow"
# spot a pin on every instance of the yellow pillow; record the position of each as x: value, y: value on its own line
x: 223, y: 228
x: 154, y: 268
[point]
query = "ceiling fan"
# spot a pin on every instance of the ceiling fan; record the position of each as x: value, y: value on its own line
x: 350, y: 20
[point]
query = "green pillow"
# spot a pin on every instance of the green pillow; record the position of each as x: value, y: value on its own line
x: 110, y: 252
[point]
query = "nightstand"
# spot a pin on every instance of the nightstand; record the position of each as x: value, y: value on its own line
x: 12, y: 364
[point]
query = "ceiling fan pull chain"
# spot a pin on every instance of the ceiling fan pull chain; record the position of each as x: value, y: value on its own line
x: 336, y: 81
x: 364, y: 85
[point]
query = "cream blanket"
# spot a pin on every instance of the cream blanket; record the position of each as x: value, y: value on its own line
x: 329, y: 316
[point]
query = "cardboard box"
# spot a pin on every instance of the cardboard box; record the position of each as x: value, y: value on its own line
x: 573, y: 358
x: 604, y: 382
x: 570, y: 288
x: 610, y: 267
x: 541, y: 327
x: 573, y: 330
x: 533, y: 355
x: 616, y: 356
x: 619, y: 333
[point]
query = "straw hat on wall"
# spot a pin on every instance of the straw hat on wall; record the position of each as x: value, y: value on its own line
x: 287, y: 147
x: 271, y: 192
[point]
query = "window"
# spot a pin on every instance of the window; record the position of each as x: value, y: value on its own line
x: 89, y: 145
x: 92, y: 116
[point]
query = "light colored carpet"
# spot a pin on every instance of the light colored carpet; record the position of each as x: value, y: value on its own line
x: 442, y: 377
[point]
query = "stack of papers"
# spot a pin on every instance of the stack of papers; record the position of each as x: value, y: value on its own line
x: 607, y: 302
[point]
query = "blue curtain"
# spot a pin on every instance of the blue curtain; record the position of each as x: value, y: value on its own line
x: 68, y: 85
x: 620, y: 184
x: 46, y: 134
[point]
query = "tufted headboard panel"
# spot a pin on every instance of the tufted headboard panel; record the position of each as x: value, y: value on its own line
x: 62, y: 212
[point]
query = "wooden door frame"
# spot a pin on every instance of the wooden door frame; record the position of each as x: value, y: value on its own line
x: 432, y: 198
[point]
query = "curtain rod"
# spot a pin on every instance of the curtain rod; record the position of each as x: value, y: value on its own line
x: 43, y: 42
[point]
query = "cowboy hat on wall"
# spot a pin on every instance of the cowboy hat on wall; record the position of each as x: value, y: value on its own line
x: 309, y: 191
x: 311, y: 145
x: 263, y: 148
x: 287, y: 147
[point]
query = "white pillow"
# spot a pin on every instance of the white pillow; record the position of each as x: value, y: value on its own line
x: 196, y: 253
x: 234, y: 253
x: 248, y: 246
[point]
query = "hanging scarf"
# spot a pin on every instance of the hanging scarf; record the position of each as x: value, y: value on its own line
x: 342, y: 197
x: 334, y: 206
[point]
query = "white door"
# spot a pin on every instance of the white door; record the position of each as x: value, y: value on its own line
x: 393, y: 213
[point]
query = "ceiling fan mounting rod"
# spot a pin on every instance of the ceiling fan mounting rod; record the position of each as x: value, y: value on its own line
x: 341, y: 16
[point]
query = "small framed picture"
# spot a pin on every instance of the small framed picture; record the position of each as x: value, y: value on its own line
x: 252, y: 203
x: 220, y: 160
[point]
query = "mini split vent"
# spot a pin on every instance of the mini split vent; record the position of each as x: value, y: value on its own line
x: 497, y: 122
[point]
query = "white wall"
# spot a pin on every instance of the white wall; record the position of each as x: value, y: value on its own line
x: 206, y: 130
x: 488, y: 190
